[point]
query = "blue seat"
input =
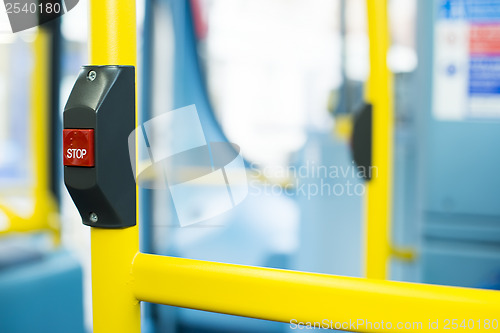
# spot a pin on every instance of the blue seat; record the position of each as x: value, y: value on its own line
x: 41, y: 293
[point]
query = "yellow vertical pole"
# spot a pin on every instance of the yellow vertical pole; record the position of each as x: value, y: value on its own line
x: 379, y: 189
x: 115, y: 308
x: 39, y: 106
x: 45, y: 210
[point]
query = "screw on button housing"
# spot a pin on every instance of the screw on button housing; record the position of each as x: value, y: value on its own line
x: 91, y: 75
x: 93, y: 217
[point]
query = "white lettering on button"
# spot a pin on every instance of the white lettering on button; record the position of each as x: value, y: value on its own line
x: 76, y: 153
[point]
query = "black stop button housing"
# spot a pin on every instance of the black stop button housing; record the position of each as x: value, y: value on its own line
x: 103, y: 99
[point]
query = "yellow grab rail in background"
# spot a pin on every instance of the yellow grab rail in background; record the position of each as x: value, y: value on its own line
x: 379, y: 188
x: 45, y: 212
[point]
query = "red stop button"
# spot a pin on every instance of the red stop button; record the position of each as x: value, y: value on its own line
x: 78, y: 147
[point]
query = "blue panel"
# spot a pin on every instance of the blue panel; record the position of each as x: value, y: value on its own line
x: 457, y: 208
x: 460, y: 159
x: 462, y: 168
x: 44, y: 296
x: 462, y: 227
x: 463, y: 264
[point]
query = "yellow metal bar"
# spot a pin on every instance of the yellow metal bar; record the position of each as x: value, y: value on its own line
x: 39, y: 105
x: 46, y: 212
x: 115, y: 308
x: 45, y: 216
x: 281, y: 295
x: 379, y: 188
x: 113, y: 32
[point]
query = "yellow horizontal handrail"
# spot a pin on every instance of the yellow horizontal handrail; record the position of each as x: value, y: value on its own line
x: 292, y: 297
